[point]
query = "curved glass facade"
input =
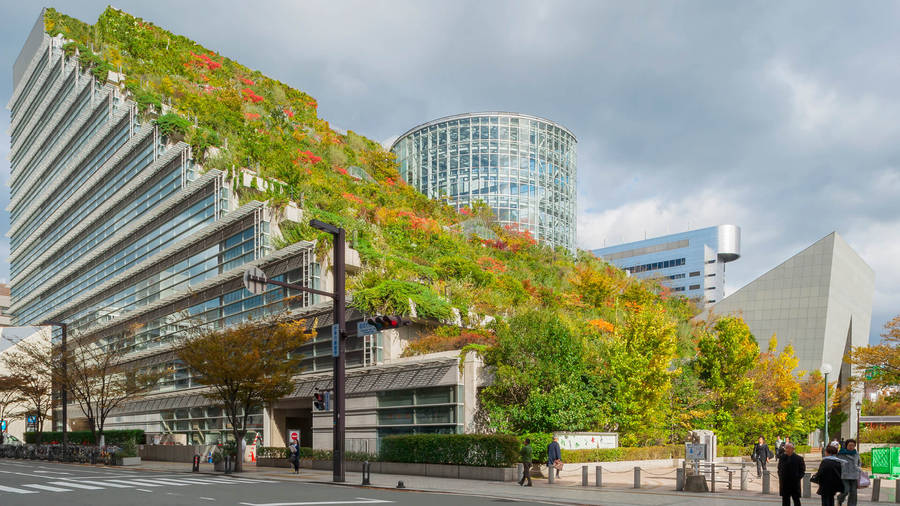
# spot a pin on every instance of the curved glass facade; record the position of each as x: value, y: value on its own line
x: 523, y: 167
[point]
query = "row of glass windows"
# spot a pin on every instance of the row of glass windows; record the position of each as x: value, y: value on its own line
x: 94, y: 238
x: 218, y: 312
x: 43, y: 60
x: 63, y: 93
x: 54, y: 74
x: 85, y: 206
x: 151, y: 242
x: 656, y: 265
x: 71, y: 184
x: 207, y: 425
x: 97, y: 120
x: 219, y: 258
x: 78, y: 107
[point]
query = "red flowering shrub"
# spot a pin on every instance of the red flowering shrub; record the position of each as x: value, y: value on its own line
x: 251, y: 116
x: 313, y: 104
x: 248, y: 82
x: 306, y: 157
x: 352, y: 198
x: 390, y: 181
x: 465, y: 211
x: 602, y: 325
x: 201, y: 60
x: 491, y: 264
x: 251, y: 96
x: 289, y: 113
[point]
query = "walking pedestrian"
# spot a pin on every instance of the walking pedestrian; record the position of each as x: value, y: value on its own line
x: 295, y: 455
x: 849, y: 473
x: 779, y: 448
x: 791, y: 468
x: 527, y: 456
x: 829, y: 475
x: 554, y: 456
x: 761, y: 455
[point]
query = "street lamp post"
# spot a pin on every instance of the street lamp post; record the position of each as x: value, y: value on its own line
x: 826, y: 369
x: 858, y: 434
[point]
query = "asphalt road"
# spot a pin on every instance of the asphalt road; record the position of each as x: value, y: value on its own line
x: 37, y: 483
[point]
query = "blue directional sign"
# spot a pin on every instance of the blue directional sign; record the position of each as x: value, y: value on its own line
x: 2, y: 425
x: 335, y: 340
x: 32, y: 419
x: 365, y: 329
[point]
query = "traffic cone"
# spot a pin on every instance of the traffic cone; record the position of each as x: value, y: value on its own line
x: 252, y: 456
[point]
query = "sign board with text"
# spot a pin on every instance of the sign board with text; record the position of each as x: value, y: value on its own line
x: 335, y: 340
x: 587, y: 440
x: 694, y: 451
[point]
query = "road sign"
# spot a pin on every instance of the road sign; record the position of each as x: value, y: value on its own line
x: 365, y: 329
x: 694, y: 451
x: 335, y: 340
x: 255, y: 287
x: 294, y: 434
x: 32, y: 419
x: 2, y: 425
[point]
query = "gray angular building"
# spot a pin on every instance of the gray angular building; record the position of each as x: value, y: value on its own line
x: 819, y: 301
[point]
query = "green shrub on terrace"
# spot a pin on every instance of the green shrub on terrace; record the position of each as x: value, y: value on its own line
x: 172, y: 123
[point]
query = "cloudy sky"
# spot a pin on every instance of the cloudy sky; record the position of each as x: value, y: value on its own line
x: 782, y: 118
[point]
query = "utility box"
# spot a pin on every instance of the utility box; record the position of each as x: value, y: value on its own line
x: 886, y: 462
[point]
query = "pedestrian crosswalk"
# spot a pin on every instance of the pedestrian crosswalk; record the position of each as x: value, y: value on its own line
x: 70, y: 485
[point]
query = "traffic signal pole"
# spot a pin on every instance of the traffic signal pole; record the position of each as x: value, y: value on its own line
x: 339, y: 270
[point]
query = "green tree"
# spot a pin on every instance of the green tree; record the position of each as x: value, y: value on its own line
x: 541, y: 382
x: 635, y: 368
x: 726, y: 352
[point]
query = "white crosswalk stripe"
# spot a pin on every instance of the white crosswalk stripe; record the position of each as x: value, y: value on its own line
x: 61, y: 484
x: 72, y: 484
x: 105, y: 484
x: 16, y: 490
x: 46, y: 487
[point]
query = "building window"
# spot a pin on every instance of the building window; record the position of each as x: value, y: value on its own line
x: 711, y: 275
x: 694, y: 287
x: 675, y: 262
x: 695, y: 274
x: 678, y: 289
x: 711, y: 261
x: 710, y: 288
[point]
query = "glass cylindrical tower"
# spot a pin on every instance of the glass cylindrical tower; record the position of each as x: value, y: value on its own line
x: 522, y: 166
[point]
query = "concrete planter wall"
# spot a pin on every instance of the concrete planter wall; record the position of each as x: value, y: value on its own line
x: 128, y: 461
x: 436, y: 470
x: 173, y: 453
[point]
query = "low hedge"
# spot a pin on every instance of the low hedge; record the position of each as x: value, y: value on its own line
x: 78, y: 437
x: 623, y: 453
x: 283, y: 452
x: 488, y: 450
x: 880, y: 434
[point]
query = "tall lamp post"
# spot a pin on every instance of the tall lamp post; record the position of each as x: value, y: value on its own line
x: 858, y: 434
x: 826, y: 370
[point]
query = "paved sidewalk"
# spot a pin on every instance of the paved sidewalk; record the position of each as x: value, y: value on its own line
x: 657, y: 490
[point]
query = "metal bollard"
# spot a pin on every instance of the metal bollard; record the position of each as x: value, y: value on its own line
x: 730, y: 480
x: 897, y: 491
x: 679, y: 479
x: 637, y: 477
x: 196, y: 467
x: 712, y: 477
x: 551, y: 476
x: 766, y: 483
x: 227, y: 465
x: 599, y: 477
x: 876, y: 489
x: 743, y: 478
x: 584, y: 476
x: 366, y: 473
x: 807, y: 485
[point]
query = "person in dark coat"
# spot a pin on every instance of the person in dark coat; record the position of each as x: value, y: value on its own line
x: 849, y: 473
x: 294, y: 448
x: 527, y: 456
x: 829, y: 475
x: 553, y: 454
x: 761, y: 455
x: 791, y: 468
